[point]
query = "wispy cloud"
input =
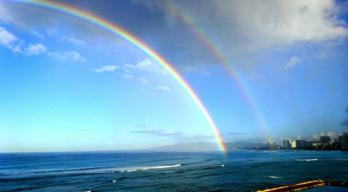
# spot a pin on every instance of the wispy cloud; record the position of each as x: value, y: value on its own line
x: 6, y: 38
x: 9, y: 40
x: 128, y: 76
x: 161, y: 133
x: 146, y: 64
x: 35, y: 49
x: 106, y: 68
x: 37, y: 34
x: 177, y: 135
x: 73, y: 56
x: 17, y: 45
x: 236, y: 133
x: 137, y: 78
x: 142, y: 70
x: 73, y: 40
x: 162, y: 88
x: 142, y: 80
x: 293, y: 61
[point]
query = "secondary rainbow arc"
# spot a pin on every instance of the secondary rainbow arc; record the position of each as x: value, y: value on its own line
x: 117, y: 30
x: 217, y: 52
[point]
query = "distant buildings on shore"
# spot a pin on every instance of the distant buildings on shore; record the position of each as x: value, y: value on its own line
x: 323, y: 143
x: 343, y: 140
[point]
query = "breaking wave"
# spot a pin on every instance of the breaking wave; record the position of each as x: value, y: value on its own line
x: 274, y: 177
x: 123, y: 170
x: 145, y: 168
x: 308, y: 160
x: 88, y: 171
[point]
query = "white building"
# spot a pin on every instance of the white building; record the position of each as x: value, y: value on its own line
x: 298, y: 144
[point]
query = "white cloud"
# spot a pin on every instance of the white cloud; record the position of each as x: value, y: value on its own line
x: 73, y: 40
x: 162, y: 88
x: 130, y: 76
x: 146, y: 64
x: 267, y: 23
x: 293, y: 61
x: 6, y: 38
x: 106, y: 68
x: 288, y: 21
x: 143, y: 71
x: 9, y: 40
x: 68, y: 56
x: 16, y: 45
x: 35, y: 49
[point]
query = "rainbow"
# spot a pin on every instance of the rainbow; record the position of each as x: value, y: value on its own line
x: 214, y: 49
x: 117, y: 30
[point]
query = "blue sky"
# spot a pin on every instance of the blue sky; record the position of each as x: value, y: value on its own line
x: 68, y: 85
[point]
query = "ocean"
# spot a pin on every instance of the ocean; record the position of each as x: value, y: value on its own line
x: 244, y: 170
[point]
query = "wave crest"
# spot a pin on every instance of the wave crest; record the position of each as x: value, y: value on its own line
x: 308, y: 160
x: 145, y: 168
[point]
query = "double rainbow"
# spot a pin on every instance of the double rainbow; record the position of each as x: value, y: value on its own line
x: 119, y: 31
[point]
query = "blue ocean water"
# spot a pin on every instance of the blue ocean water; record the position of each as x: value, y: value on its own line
x: 116, y: 171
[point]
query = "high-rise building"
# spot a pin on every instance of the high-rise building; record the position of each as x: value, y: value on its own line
x: 298, y: 144
x: 286, y: 144
x: 344, y: 141
x: 309, y: 144
x: 271, y: 145
x: 325, y: 139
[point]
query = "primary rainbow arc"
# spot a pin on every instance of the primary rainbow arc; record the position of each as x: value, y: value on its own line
x: 117, y: 30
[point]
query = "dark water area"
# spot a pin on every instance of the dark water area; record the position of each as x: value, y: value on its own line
x: 115, y: 171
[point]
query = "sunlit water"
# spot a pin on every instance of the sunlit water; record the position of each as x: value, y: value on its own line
x: 237, y: 171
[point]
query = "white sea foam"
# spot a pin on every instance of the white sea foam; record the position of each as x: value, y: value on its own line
x: 145, y: 168
x: 308, y: 160
x: 274, y: 177
x: 108, y: 170
x: 269, y: 151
